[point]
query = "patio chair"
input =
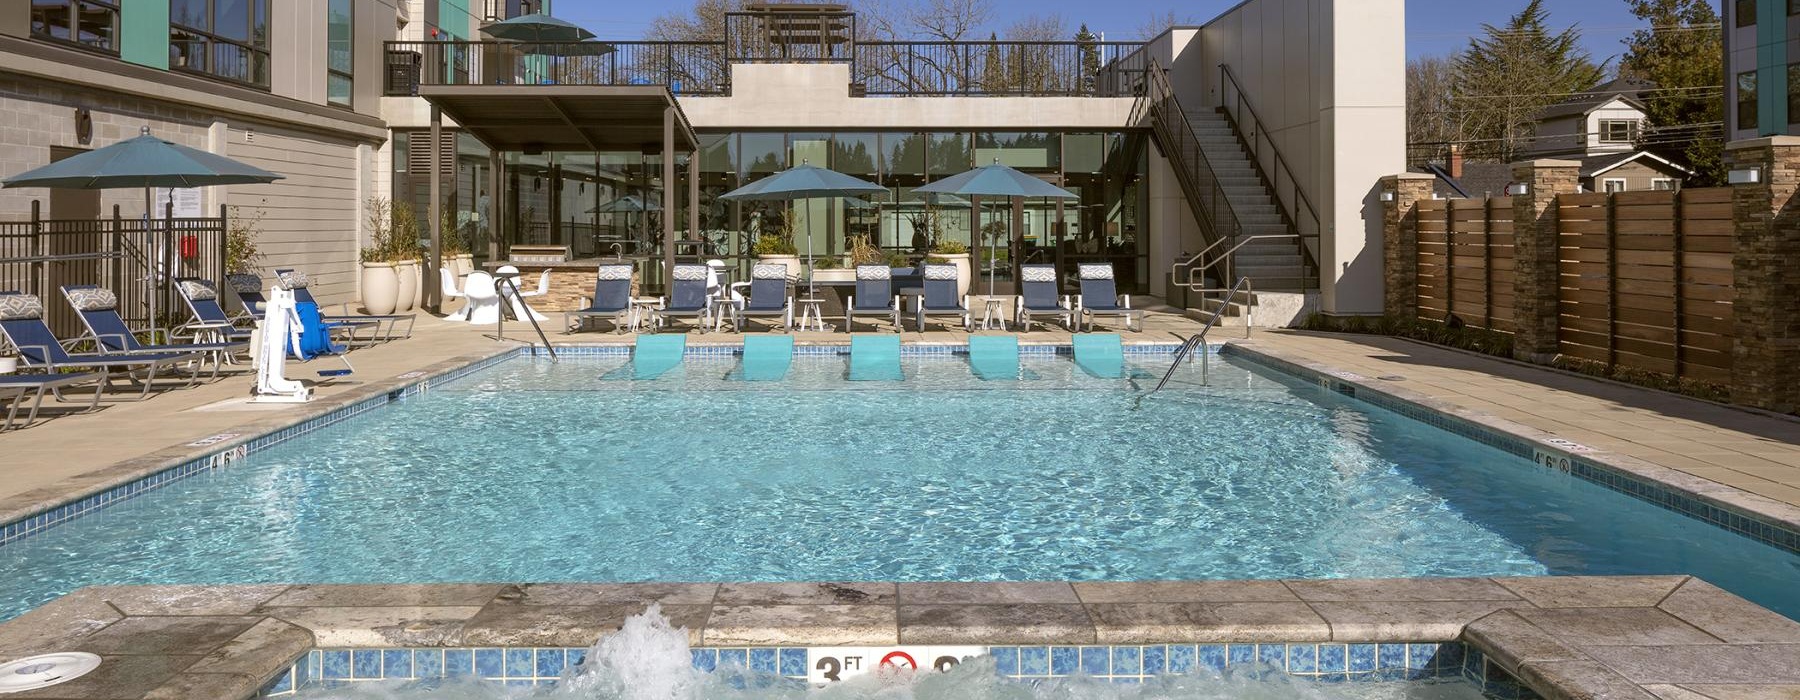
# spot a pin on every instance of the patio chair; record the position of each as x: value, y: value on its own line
x: 345, y: 324
x: 99, y: 311
x: 1100, y: 297
x: 22, y: 324
x: 1038, y: 297
x: 769, y: 297
x: 249, y: 292
x: 16, y: 388
x: 612, y: 300
x: 210, y: 320
x: 874, y: 295
x: 687, y: 295
x: 940, y: 298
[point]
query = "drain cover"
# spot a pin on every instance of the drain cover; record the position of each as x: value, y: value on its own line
x: 45, y: 670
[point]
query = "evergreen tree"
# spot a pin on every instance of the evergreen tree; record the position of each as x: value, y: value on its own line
x: 1507, y: 77
x: 1089, y: 46
x: 994, y: 75
x: 1680, y: 51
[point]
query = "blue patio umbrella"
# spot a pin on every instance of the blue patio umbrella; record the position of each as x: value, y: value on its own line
x: 994, y: 180
x: 536, y: 27
x: 804, y: 181
x: 148, y: 162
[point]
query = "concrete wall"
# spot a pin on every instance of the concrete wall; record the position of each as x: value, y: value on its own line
x: 813, y: 96
x: 1328, y: 76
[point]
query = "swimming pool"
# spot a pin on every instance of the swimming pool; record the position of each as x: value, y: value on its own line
x: 570, y: 471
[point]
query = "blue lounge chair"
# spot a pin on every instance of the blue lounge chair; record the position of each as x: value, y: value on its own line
x: 1038, y: 297
x: 249, y: 292
x: 22, y: 324
x: 346, y: 326
x: 687, y: 295
x: 769, y: 297
x: 210, y: 320
x: 1100, y: 297
x: 941, y: 299
x: 99, y: 312
x: 16, y: 388
x: 612, y: 300
x: 874, y: 295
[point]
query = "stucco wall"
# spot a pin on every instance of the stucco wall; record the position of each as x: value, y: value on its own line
x: 1328, y: 78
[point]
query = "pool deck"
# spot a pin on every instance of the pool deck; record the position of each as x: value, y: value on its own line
x: 1641, y: 638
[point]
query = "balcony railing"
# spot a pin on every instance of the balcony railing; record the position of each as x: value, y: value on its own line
x: 1091, y: 69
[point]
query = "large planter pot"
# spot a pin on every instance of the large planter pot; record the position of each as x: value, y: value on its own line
x: 963, y: 271
x: 380, y: 287
x: 836, y: 274
x: 791, y: 261
x: 461, y: 265
x: 9, y: 365
x: 406, y: 296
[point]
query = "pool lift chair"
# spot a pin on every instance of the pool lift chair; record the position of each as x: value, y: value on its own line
x: 290, y: 326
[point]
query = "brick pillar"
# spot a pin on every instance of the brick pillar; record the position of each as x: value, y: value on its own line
x: 1766, y: 274
x: 1535, y: 275
x: 1400, y: 248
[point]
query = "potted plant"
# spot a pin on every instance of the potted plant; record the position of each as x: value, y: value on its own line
x: 955, y: 253
x: 775, y: 244
x: 831, y: 270
x: 379, y: 282
x: 404, y: 253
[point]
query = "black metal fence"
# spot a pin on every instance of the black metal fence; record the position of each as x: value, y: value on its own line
x: 1100, y: 69
x: 138, y: 261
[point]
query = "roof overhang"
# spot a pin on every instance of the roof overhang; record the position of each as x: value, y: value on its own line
x: 532, y: 118
x: 1640, y: 155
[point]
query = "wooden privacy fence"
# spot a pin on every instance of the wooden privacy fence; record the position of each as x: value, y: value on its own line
x: 1644, y: 278
x: 1466, y: 261
x: 1646, y: 281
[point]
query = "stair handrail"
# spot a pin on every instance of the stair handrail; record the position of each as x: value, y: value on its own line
x: 1257, y: 135
x: 1225, y: 257
x: 1218, y: 220
x: 501, y: 283
x: 1199, y: 339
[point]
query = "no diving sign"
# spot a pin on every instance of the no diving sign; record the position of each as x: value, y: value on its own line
x: 832, y: 664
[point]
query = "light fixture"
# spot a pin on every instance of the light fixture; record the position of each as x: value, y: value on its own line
x: 1518, y: 189
x: 1387, y: 195
x: 1744, y: 176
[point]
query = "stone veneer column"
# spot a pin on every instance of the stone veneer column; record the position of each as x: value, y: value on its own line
x: 1535, y: 274
x: 1765, y: 353
x: 1400, y: 251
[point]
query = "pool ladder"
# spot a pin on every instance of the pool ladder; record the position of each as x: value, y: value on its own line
x: 1198, y: 340
x: 500, y: 284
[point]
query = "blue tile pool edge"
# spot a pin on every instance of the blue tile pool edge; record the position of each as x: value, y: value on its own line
x: 1586, y: 466
x: 411, y: 384
x: 1128, y: 663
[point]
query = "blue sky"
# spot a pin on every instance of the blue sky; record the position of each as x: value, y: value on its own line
x: 1433, y: 26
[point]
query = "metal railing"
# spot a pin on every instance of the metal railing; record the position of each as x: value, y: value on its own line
x: 1198, y: 180
x: 1199, y: 339
x: 697, y: 68
x: 1199, y: 264
x: 502, y: 283
x: 818, y: 34
x: 877, y: 68
x: 1296, y: 208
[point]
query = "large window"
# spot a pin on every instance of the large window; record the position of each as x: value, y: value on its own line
x: 1617, y: 130
x: 1746, y: 100
x: 340, y: 31
x: 90, y: 24
x: 226, y: 39
x: 1745, y: 11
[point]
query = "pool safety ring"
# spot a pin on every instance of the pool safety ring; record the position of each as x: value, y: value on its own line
x: 45, y: 670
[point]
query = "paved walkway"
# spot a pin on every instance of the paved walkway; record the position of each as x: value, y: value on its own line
x: 1752, y: 451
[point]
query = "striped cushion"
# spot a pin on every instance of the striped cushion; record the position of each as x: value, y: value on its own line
x: 1036, y: 273
x: 198, y: 290
x: 940, y: 272
x: 1096, y: 271
x: 19, y: 307
x: 690, y: 273
x: 93, y: 299
x: 767, y: 271
x: 244, y: 284
x: 874, y: 272
x: 615, y: 272
x: 294, y: 279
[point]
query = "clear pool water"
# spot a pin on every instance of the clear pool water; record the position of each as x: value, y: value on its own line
x: 540, y: 471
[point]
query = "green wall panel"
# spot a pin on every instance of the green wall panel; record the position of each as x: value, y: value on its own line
x: 144, y: 32
x: 453, y: 17
x: 1771, y: 67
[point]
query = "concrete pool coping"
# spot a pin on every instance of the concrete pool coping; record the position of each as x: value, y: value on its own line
x: 1564, y: 637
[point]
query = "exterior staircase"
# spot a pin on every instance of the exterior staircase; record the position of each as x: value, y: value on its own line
x: 1273, y: 265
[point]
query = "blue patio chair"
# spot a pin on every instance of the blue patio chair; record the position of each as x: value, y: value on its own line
x: 210, y: 319
x: 874, y: 295
x: 687, y: 295
x: 16, y: 388
x: 22, y: 324
x: 99, y: 311
x: 249, y: 292
x: 612, y: 300
x: 345, y: 325
x: 941, y: 299
x: 1100, y: 297
x: 1038, y: 297
x: 769, y: 297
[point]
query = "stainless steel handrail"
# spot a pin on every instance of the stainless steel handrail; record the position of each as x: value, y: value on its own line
x: 1190, y: 284
x: 500, y: 322
x: 1199, y: 339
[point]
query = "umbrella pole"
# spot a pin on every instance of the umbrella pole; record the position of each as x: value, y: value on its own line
x: 155, y: 255
x: 812, y: 289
